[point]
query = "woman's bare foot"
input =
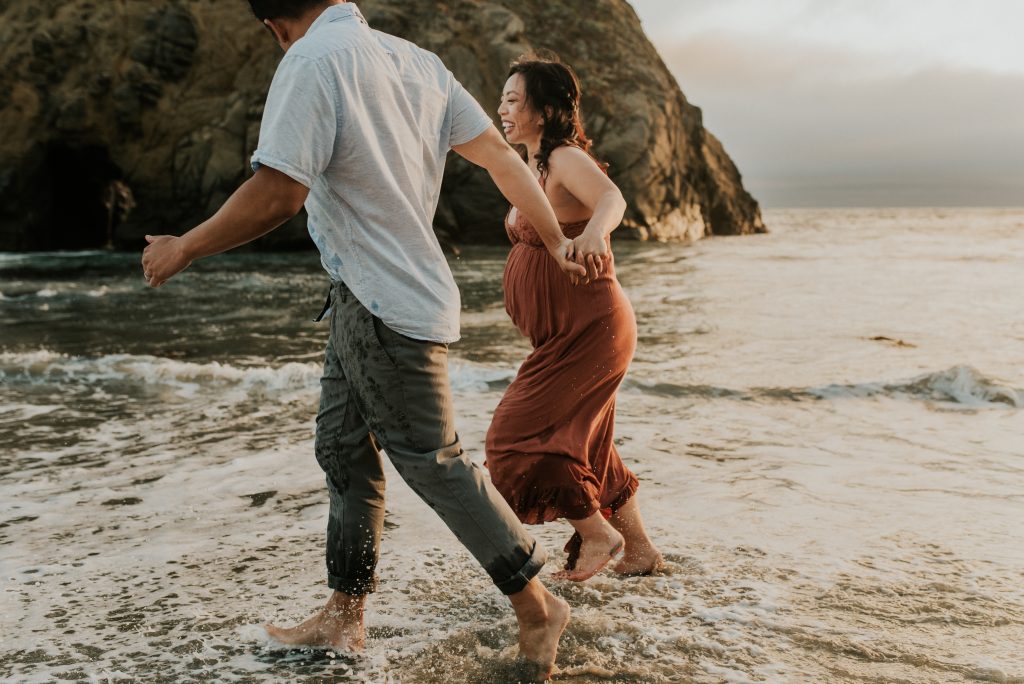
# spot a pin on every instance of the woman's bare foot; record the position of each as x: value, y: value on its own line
x: 641, y: 556
x: 638, y: 562
x: 601, y: 544
x: 542, y: 618
x: 338, y: 626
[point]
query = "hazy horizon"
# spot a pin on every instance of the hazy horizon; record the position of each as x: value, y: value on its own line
x: 842, y: 103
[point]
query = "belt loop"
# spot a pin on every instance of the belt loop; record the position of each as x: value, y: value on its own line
x: 327, y: 306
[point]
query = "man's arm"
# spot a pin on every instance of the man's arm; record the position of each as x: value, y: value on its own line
x: 513, y: 178
x: 260, y: 205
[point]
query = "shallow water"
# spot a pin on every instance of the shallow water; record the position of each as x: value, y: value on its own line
x: 826, y: 422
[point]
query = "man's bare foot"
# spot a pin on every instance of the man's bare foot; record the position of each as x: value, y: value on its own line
x: 542, y: 618
x: 338, y: 626
x: 639, y: 562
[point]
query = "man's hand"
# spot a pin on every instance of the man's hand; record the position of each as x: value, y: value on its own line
x: 163, y: 258
x: 261, y: 204
x: 564, y: 255
x: 591, y: 252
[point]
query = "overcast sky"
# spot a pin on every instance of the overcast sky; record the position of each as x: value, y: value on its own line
x: 856, y: 102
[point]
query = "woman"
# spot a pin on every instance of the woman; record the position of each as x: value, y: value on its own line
x: 550, y: 448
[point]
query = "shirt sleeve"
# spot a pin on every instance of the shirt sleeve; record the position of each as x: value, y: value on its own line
x: 468, y: 119
x: 300, y: 121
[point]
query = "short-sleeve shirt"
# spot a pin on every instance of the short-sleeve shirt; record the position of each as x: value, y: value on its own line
x: 365, y: 120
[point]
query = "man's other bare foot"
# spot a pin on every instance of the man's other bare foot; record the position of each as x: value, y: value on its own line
x: 542, y: 618
x: 338, y: 626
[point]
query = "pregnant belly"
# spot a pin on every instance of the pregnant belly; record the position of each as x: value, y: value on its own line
x: 543, y: 302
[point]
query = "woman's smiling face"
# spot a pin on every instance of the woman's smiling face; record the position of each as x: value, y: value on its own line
x: 519, y: 122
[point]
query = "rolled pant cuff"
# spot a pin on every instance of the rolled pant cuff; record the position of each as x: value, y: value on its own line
x: 517, y: 582
x: 352, y: 587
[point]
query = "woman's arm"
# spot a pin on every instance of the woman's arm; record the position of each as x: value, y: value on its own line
x: 575, y: 170
x: 513, y: 178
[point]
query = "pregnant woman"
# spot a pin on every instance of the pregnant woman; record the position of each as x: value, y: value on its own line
x: 550, y: 447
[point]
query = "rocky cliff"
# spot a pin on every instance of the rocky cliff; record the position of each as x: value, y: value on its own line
x: 164, y: 98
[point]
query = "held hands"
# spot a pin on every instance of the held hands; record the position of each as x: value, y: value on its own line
x: 163, y: 258
x: 565, y: 256
x: 591, y: 252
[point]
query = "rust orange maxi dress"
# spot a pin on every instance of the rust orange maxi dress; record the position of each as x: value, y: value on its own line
x: 550, y: 449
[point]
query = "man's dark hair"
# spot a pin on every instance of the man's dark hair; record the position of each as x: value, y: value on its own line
x: 283, y: 9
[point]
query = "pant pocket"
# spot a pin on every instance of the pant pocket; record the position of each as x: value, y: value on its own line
x: 387, y: 339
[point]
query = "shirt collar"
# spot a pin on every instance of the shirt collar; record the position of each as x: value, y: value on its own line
x: 336, y: 13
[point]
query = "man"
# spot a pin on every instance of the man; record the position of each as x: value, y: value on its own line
x: 357, y: 126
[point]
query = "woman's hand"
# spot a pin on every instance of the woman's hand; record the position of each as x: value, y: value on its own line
x: 591, y: 252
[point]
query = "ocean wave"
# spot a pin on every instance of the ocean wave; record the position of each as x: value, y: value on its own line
x: 45, y: 367
x: 468, y: 376
x: 20, y: 412
x: 959, y: 385
x: 71, y: 292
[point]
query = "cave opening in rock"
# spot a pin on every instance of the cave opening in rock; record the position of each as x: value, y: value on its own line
x: 78, y: 213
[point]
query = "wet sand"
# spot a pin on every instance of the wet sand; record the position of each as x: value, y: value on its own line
x: 832, y: 507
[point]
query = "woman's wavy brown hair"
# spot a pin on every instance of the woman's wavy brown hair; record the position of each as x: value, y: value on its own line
x: 553, y: 91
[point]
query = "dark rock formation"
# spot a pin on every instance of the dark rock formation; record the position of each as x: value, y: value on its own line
x: 166, y: 97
